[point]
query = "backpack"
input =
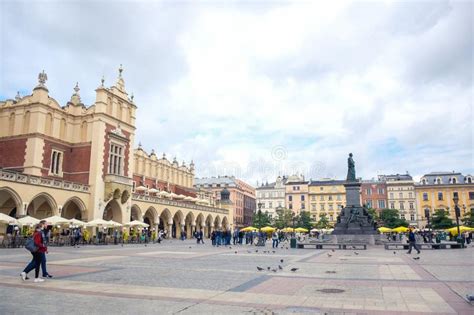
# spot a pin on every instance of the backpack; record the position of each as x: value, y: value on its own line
x: 30, y: 245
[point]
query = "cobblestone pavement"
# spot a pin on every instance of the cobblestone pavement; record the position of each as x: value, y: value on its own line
x: 182, y: 277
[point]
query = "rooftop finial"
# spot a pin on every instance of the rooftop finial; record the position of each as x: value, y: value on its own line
x: 139, y: 145
x: 102, y: 81
x: 164, y: 155
x: 42, y: 78
x: 120, y: 71
x: 131, y: 97
x: 18, y: 96
x: 76, y: 89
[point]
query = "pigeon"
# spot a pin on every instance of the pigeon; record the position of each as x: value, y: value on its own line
x: 287, y: 248
x: 281, y: 260
x: 356, y: 253
x: 268, y: 268
x: 333, y: 250
x: 329, y: 255
x: 256, y: 250
x: 190, y: 247
x: 145, y: 245
x: 280, y: 267
x: 236, y: 252
x: 274, y: 270
x: 470, y: 297
x: 274, y: 252
x: 294, y: 269
x: 248, y: 251
x: 416, y: 258
x: 394, y: 253
x: 259, y: 268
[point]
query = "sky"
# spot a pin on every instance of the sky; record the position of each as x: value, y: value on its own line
x: 258, y: 89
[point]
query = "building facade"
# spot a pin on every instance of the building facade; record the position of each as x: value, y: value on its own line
x: 436, y: 190
x: 401, y: 195
x: 242, y: 196
x: 296, y: 194
x: 80, y: 162
x: 326, y: 196
x: 272, y: 196
x: 374, y: 194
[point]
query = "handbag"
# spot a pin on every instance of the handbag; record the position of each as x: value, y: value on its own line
x: 30, y: 245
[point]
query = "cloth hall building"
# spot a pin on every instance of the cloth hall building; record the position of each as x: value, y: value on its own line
x: 80, y: 162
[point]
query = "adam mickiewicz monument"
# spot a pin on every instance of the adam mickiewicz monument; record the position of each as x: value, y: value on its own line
x: 353, y: 219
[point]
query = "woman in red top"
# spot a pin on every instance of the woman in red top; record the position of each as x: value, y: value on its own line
x: 36, y: 261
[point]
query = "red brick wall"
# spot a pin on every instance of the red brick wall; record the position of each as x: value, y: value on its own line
x: 76, y: 159
x: 375, y: 196
x: 12, y: 154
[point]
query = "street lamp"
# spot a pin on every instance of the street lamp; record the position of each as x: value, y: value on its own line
x: 457, y: 211
x: 259, y: 215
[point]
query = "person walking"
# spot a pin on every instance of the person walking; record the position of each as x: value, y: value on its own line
x: 45, y: 232
x: 275, y: 239
x: 412, y: 241
x: 37, y: 255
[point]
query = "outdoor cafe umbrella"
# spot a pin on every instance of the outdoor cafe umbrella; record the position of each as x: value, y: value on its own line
x: 249, y: 229
x: 400, y: 229
x: 98, y: 222
x: 267, y: 229
x: 137, y: 223
x: 27, y: 221
x: 77, y: 222
x: 7, y: 219
x: 462, y: 229
x: 287, y: 230
x: 114, y: 224
x: 56, y: 220
x: 301, y: 230
x: 383, y: 229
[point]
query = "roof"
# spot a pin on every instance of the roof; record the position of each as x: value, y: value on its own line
x: 395, y: 177
x: 220, y: 180
x: 446, y: 178
x: 325, y: 182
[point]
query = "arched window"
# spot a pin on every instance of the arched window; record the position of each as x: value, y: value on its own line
x: 109, y: 106
x: 63, y: 130
x: 468, y: 180
x: 423, y: 181
x: 453, y: 180
x: 438, y: 181
x: 26, y: 122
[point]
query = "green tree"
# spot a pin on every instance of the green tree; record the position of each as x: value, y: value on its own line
x: 440, y: 220
x: 284, y: 218
x: 468, y: 219
x: 261, y: 219
x: 373, y: 213
x: 391, y: 218
x: 304, y: 220
x: 323, y: 222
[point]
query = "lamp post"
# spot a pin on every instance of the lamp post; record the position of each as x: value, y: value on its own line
x: 457, y: 211
x: 259, y: 215
x: 427, y: 216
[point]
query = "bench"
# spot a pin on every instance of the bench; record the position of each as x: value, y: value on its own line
x: 443, y: 245
x: 333, y: 245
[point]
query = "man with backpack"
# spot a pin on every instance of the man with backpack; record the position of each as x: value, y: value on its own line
x: 37, y: 248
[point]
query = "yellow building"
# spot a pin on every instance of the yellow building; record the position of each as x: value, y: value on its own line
x: 436, y: 191
x: 80, y: 162
x: 326, y: 196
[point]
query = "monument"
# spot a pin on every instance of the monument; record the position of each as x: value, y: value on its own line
x: 354, y: 218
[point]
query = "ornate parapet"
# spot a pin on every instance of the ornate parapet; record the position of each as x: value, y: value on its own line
x: 42, y: 181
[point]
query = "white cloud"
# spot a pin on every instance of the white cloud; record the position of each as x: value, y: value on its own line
x: 227, y: 84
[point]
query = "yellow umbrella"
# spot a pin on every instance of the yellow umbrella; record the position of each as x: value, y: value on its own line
x: 400, y: 229
x: 383, y: 229
x: 301, y: 230
x: 249, y: 229
x: 287, y: 229
x: 462, y: 228
x: 267, y: 229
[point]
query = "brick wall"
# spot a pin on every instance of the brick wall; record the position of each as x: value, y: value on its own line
x: 12, y: 154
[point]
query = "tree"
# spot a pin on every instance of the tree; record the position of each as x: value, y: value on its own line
x: 323, y: 222
x: 261, y: 219
x: 390, y: 218
x: 284, y: 218
x: 441, y: 220
x: 304, y: 220
x: 373, y: 213
x: 468, y: 219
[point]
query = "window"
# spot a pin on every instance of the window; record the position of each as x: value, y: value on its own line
x: 392, y: 205
x: 279, y: 204
x: 381, y: 204
x: 331, y: 218
x: 313, y: 198
x: 322, y: 198
x: 303, y: 206
x: 322, y: 207
x: 410, y: 195
x: 381, y: 191
x: 455, y: 194
x: 425, y: 196
x: 369, y: 203
x: 402, y: 206
x: 438, y: 181
x: 453, y: 180
x: 290, y: 206
x: 338, y: 197
x: 290, y: 198
x: 400, y: 195
x: 402, y: 216
x: 331, y: 207
x: 469, y: 180
x: 330, y: 198
x: 412, y: 217
x: 313, y: 207
x: 56, y: 163
x: 471, y: 195
x: 302, y: 197
x: 115, y: 159
x: 412, y: 206
x: 391, y: 195
x: 270, y: 205
x: 368, y: 191
x: 440, y: 196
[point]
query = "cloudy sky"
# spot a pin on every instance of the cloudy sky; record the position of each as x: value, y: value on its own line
x: 261, y: 88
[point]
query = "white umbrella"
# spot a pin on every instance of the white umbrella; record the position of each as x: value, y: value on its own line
x: 173, y: 195
x: 55, y: 219
x: 77, y: 222
x: 98, y: 222
x: 187, y: 198
x: 27, y: 221
x: 137, y: 223
x: 114, y: 224
x: 7, y: 219
x: 153, y: 191
x: 164, y: 194
x: 180, y: 196
x: 141, y: 188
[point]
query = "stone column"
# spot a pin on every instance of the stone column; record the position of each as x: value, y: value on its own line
x: 169, y: 227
